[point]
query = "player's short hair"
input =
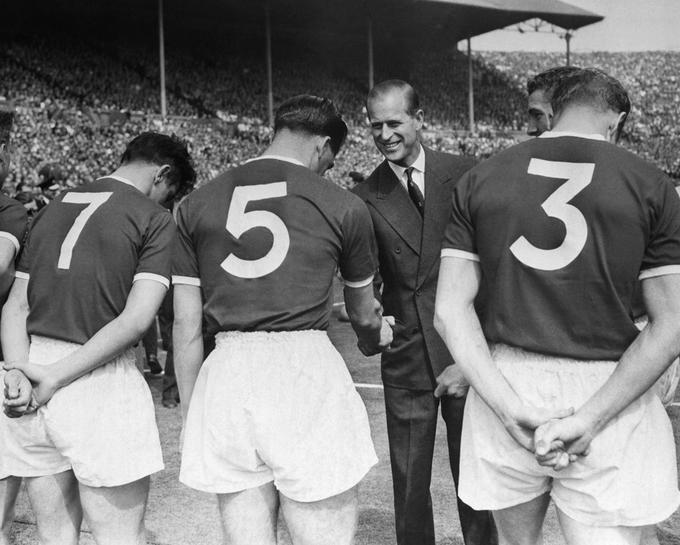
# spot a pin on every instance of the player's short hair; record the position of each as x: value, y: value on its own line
x: 161, y: 149
x: 592, y: 87
x: 547, y: 80
x: 387, y: 86
x: 312, y: 115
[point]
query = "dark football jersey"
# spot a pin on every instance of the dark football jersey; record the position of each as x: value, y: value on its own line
x: 85, y: 250
x: 264, y: 242
x: 13, y: 221
x: 563, y: 228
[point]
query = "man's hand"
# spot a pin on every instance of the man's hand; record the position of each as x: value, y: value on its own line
x: 44, y: 385
x: 526, y: 418
x: 451, y: 382
x: 569, y: 437
x: 386, y: 338
x: 18, y: 395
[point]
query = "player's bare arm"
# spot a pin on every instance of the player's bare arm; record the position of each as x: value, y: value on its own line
x: 640, y: 366
x: 458, y: 324
x: 187, y: 340
x: 7, y: 255
x: 140, y: 309
x: 15, y: 343
x: 374, y: 334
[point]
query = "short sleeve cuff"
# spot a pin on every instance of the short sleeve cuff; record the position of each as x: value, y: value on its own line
x: 659, y: 271
x: 461, y: 254
x: 187, y: 280
x: 22, y: 275
x: 359, y: 284
x: 11, y: 238
x: 151, y: 276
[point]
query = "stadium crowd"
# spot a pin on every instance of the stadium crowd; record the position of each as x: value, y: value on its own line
x: 651, y: 77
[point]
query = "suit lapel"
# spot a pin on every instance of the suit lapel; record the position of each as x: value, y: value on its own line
x: 437, y: 210
x: 394, y: 204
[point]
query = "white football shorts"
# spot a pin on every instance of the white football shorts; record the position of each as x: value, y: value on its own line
x: 102, y: 425
x: 278, y: 407
x: 629, y: 478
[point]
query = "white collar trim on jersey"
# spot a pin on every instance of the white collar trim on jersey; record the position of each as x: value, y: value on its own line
x: 277, y: 157
x: 120, y: 179
x: 557, y: 134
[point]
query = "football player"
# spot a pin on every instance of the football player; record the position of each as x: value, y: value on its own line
x: 13, y: 220
x: 540, y: 89
x: 89, y: 283
x: 559, y: 229
x: 274, y: 420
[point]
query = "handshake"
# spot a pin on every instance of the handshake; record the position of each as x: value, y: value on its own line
x: 384, y: 342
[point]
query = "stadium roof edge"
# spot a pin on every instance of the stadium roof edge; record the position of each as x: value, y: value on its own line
x: 556, y: 12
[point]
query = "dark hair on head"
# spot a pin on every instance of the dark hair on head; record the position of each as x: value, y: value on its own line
x: 312, y: 115
x: 387, y: 86
x: 549, y: 79
x: 592, y: 87
x: 161, y: 149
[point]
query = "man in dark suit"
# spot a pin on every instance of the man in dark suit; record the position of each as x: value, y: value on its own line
x: 409, y: 197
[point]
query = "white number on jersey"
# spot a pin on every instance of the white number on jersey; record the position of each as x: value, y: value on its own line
x: 93, y: 201
x: 578, y: 176
x: 239, y: 221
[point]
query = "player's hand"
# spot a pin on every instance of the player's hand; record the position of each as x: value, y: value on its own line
x: 386, y: 337
x: 18, y: 395
x: 525, y: 419
x: 44, y: 385
x: 570, y: 437
x: 386, y: 333
x: 451, y: 382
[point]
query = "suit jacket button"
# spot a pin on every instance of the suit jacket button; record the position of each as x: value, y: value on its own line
x: 418, y: 291
x: 415, y: 330
x: 397, y: 250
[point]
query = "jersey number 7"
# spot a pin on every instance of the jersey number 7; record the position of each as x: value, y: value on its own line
x: 578, y: 176
x: 93, y: 201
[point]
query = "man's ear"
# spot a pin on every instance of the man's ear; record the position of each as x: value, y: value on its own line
x: 616, y: 127
x: 419, y: 116
x: 161, y: 174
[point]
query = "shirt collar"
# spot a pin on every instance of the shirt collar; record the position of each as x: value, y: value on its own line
x: 418, y: 165
x: 120, y: 179
x: 557, y: 134
x: 278, y: 158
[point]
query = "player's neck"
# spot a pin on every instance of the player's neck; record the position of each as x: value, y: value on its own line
x: 582, y: 121
x: 140, y: 176
x: 293, y: 147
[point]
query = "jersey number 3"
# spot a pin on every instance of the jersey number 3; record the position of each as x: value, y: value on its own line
x: 93, y: 201
x: 239, y: 221
x: 578, y: 176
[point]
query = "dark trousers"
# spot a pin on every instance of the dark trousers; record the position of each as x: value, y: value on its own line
x: 165, y: 316
x: 411, y: 428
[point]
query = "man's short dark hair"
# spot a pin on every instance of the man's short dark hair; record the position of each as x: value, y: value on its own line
x: 591, y: 87
x: 312, y: 115
x: 161, y: 149
x: 547, y: 80
x: 387, y: 86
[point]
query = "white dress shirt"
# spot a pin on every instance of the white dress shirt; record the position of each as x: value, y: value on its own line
x: 418, y: 174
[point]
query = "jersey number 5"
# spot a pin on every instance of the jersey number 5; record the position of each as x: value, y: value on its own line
x: 93, y: 201
x: 578, y: 176
x: 239, y: 221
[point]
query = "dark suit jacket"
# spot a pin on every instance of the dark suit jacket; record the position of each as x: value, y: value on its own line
x: 409, y: 251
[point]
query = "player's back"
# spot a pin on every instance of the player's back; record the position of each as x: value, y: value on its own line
x: 84, y: 252
x: 564, y: 227
x: 266, y: 240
